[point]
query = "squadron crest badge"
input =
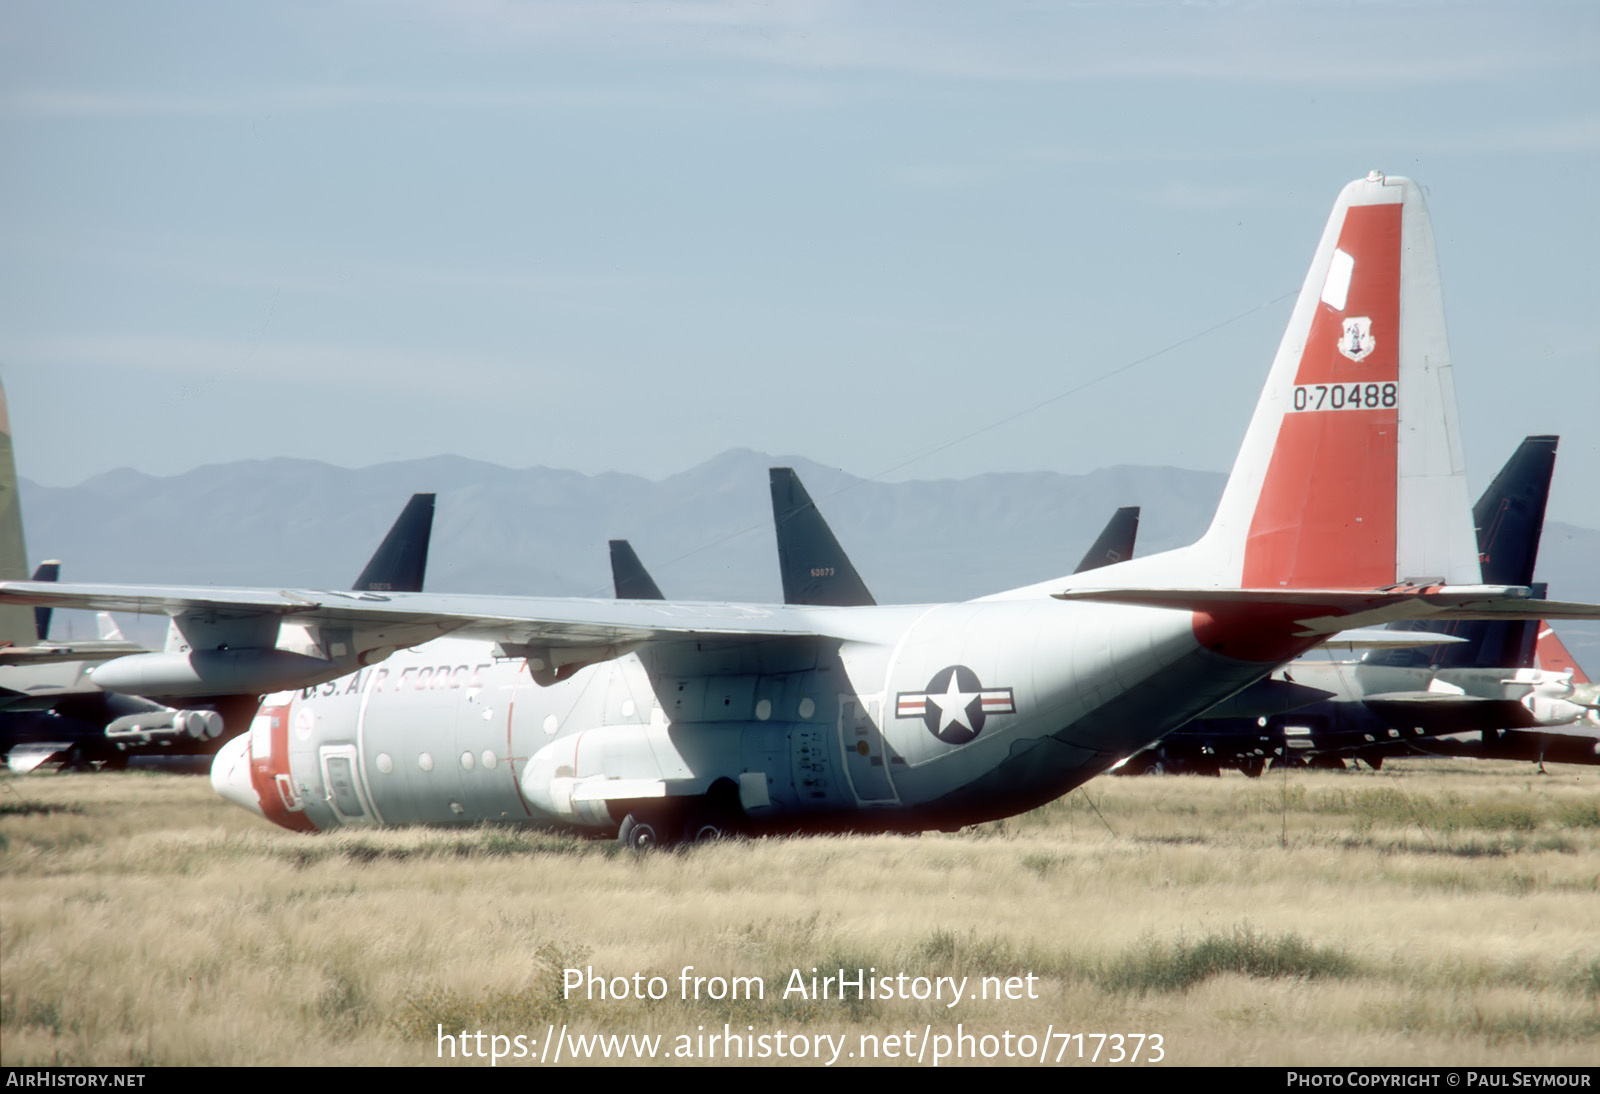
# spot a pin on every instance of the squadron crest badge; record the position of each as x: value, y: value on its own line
x: 1356, y: 340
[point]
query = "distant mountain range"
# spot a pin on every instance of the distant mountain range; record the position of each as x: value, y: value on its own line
x: 705, y: 534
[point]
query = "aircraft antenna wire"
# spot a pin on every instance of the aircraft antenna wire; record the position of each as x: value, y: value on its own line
x: 996, y: 424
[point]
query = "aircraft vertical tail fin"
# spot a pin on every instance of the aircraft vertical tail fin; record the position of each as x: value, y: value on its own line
x: 1115, y: 543
x: 1553, y: 656
x: 1351, y: 473
x: 108, y: 629
x: 47, y: 571
x: 814, y: 567
x: 1510, y: 521
x: 628, y: 576
x: 1510, y: 514
x: 401, y: 561
x: 18, y: 626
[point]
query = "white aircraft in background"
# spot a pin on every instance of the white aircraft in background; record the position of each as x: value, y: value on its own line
x: 660, y: 720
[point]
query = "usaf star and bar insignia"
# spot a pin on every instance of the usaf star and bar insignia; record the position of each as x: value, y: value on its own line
x: 955, y: 705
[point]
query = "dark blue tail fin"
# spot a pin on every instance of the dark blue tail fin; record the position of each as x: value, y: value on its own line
x: 1510, y: 519
x: 1116, y: 540
x: 401, y: 560
x: 47, y: 571
x: 814, y: 567
x: 628, y: 575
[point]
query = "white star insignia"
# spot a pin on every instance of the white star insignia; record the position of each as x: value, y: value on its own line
x: 952, y: 705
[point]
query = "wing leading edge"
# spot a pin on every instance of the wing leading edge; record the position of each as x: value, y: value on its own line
x: 333, y: 633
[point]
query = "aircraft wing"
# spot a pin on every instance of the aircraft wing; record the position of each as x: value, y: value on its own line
x: 1436, y: 713
x: 53, y: 653
x: 514, y: 618
x: 345, y: 630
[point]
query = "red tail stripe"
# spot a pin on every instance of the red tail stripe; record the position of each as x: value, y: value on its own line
x: 1326, y: 514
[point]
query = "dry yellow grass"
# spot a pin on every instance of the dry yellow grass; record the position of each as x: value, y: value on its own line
x: 1433, y: 913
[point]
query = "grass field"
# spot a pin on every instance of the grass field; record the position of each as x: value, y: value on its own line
x: 1436, y: 912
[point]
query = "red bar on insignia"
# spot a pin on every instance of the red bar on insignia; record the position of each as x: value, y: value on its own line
x: 998, y: 702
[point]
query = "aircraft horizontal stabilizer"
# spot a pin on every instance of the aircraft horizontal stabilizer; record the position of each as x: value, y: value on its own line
x: 1328, y: 611
x: 1380, y: 638
x: 1432, y: 712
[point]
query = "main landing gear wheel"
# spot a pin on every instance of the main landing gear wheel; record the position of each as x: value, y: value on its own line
x: 703, y: 831
x: 639, y: 834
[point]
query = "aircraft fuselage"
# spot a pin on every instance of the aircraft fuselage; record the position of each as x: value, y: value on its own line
x: 930, y: 717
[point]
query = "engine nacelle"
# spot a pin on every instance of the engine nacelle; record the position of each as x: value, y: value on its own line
x: 1550, y: 699
x: 1548, y: 710
x: 214, y: 672
x: 198, y: 725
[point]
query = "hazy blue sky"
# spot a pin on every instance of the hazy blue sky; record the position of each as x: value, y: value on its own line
x: 631, y: 235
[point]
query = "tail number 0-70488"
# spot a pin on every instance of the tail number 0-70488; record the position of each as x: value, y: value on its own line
x: 1354, y: 396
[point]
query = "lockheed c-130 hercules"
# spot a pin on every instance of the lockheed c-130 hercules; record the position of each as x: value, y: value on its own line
x: 658, y: 720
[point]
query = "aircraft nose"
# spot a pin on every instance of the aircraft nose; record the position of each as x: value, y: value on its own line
x: 230, y: 774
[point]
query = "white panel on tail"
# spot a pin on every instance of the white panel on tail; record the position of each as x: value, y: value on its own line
x: 1434, y: 511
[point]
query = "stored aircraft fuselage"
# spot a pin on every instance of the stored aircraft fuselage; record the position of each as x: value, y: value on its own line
x: 933, y: 717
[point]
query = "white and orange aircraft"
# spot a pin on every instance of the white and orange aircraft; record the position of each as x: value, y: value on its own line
x: 660, y: 721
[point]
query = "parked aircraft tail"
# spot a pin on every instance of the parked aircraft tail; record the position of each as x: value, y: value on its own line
x: 813, y: 565
x: 1115, y: 543
x: 109, y: 631
x: 398, y: 565
x: 815, y: 568
x: 401, y: 561
x: 18, y: 626
x: 1351, y: 473
x: 47, y: 571
x: 1510, y: 520
x: 1552, y: 655
x: 628, y: 576
x: 1347, y: 504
